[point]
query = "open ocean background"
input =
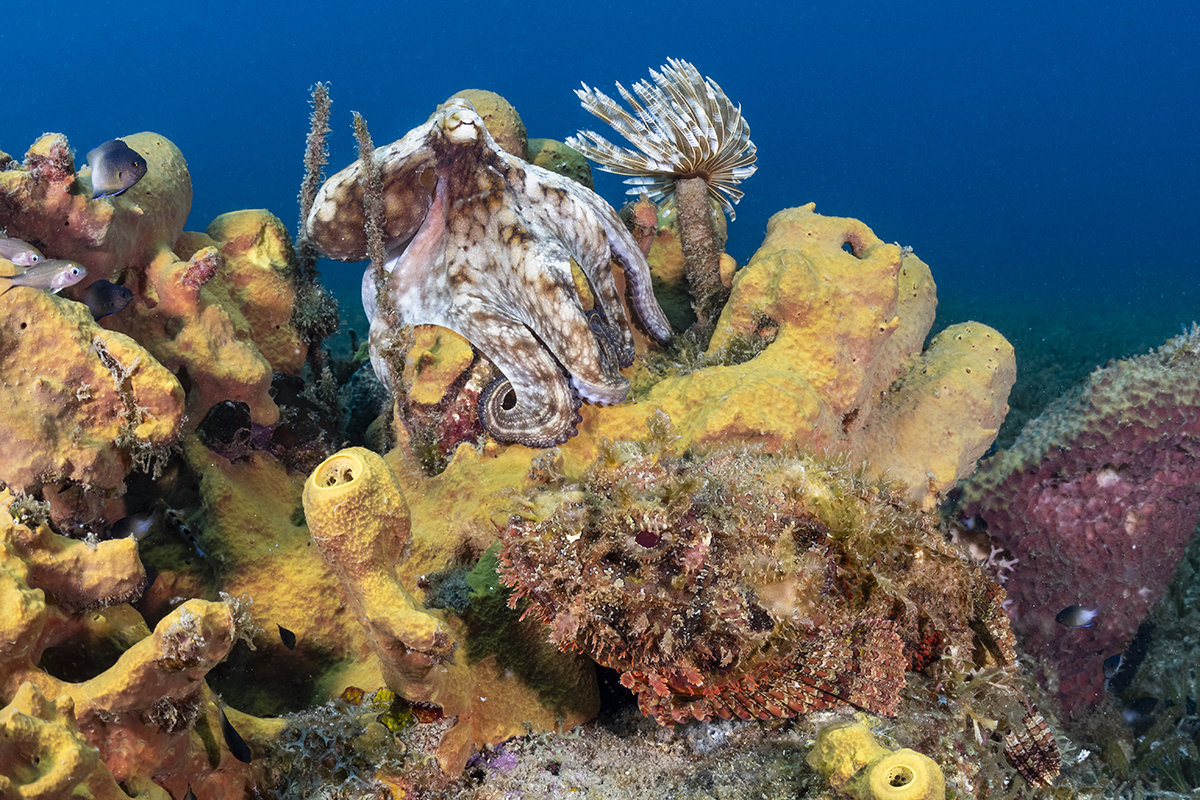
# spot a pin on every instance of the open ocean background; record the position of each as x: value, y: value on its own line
x: 1042, y: 158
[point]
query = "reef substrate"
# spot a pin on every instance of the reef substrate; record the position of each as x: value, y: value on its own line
x: 385, y: 572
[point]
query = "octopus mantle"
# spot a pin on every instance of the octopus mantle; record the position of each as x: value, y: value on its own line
x: 482, y: 243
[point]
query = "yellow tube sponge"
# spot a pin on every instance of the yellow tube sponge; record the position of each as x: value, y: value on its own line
x: 494, y: 686
x: 359, y: 521
x: 858, y: 766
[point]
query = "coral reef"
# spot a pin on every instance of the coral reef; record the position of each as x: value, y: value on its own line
x: 1097, y: 499
x: 42, y: 202
x: 138, y: 711
x: 213, y: 309
x: 223, y: 316
x: 728, y: 583
x: 716, y: 566
x: 858, y: 766
x: 360, y: 522
x: 43, y: 755
x: 81, y: 404
x: 821, y: 347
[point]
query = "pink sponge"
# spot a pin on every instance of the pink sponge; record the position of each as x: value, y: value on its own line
x: 1097, y: 499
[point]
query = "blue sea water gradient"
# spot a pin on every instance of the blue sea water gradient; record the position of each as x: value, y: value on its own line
x: 1035, y: 155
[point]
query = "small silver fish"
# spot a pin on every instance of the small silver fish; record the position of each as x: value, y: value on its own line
x: 105, y: 298
x: 115, y: 167
x: 20, y: 253
x: 1077, y: 617
x: 50, y: 276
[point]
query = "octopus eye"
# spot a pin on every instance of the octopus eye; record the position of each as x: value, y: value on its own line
x: 647, y: 539
x: 509, y: 401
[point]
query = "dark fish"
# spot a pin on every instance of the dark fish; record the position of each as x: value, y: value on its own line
x: 1077, y: 617
x: 151, y: 577
x: 20, y: 253
x: 104, y: 298
x: 175, y: 524
x: 287, y: 637
x: 50, y: 276
x: 233, y: 740
x: 190, y: 794
x: 115, y: 167
x: 1112, y: 664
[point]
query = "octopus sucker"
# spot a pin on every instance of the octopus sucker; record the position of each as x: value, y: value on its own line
x: 482, y: 243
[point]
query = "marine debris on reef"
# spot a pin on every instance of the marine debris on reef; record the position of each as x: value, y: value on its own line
x: 490, y: 246
x: 1097, y: 499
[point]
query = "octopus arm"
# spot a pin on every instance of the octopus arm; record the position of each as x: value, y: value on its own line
x: 628, y: 255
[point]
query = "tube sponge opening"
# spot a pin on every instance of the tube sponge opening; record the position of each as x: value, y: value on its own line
x: 356, y: 512
x: 902, y: 775
x: 856, y: 765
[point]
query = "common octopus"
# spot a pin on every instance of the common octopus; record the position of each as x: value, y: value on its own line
x: 482, y: 243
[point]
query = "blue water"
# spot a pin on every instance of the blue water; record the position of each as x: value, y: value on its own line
x: 1040, y: 159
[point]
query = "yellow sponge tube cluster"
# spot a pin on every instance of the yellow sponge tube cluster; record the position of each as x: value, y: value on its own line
x: 858, y: 766
x: 359, y: 521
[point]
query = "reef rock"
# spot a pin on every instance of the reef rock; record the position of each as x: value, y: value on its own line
x: 80, y: 403
x: 45, y: 202
x: 65, y: 610
x: 1097, y: 500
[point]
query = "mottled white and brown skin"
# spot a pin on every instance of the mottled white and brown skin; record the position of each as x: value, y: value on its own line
x: 481, y: 242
